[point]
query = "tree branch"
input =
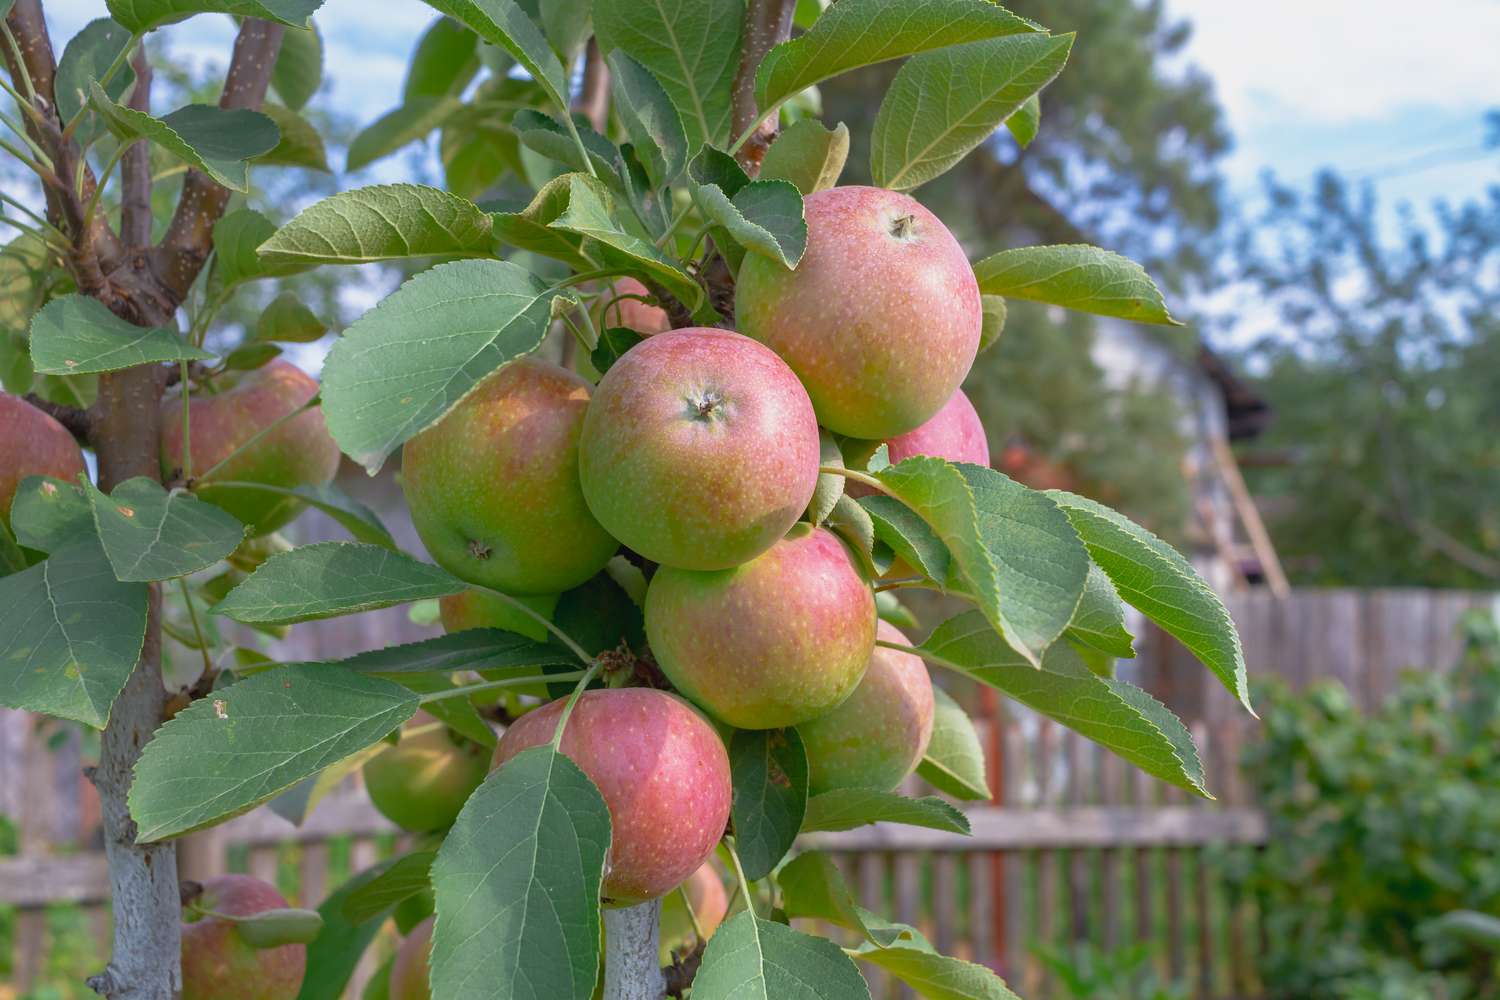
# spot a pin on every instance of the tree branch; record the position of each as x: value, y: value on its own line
x: 189, y: 237
x: 593, y: 94
x: 135, y: 171
x: 767, y: 22
x: 71, y: 417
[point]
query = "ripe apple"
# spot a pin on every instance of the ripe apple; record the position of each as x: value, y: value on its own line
x: 493, y: 487
x: 218, y: 964
x: 879, y: 734
x: 422, y: 782
x: 32, y: 444
x: 409, y: 969
x: 475, y: 608
x: 705, y: 892
x: 664, y: 774
x: 780, y: 640
x: 631, y: 313
x: 700, y: 449
x: 954, y: 433
x: 298, y: 452
x: 881, y: 317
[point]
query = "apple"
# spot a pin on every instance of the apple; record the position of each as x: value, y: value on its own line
x: 218, y: 963
x: 954, y: 433
x: 879, y: 734
x: 631, y: 313
x: 298, y: 452
x: 32, y: 443
x: 422, y: 782
x: 409, y: 969
x: 705, y: 893
x: 493, y: 487
x: 780, y: 640
x: 881, y: 317
x: 474, y: 608
x: 700, y: 449
x: 663, y: 772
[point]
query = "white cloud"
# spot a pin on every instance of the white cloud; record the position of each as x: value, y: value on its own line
x: 1345, y: 60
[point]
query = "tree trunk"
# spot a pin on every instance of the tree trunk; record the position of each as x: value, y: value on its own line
x: 632, y: 965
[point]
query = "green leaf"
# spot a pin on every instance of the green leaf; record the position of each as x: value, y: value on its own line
x: 1118, y: 716
x: 614, y: 341
x: 552, y: 139
x: 1077, y: 277
x: 1099, y: 622
x: 150, y: 534
x: 298, y: 72
x: 1153, y: 578
x: 362, y: 523
x: 300, y: 144
x: 381, y: 222
x: 406, y: 876
x: 445, y: 61
x: 649, y: 117
x: 327, y: 579
x: 405, y: 124
x: 854, y: 33
x: 237, y: 239
x: 486, y: 649
x: 248, y: 357
x: 830, y: 485
x: 529, y: 229
x: 503, y: 23
x: 457, y: 713
x: 517, y: 884
x: 1013, y: 549
x: 910, y: 537
x: 763, y: 216
x: 283, y: 925
x: 808, y: 155
x: 287, y: 320
x: 812, y: 887
x: 590, y: 213
x: 75, y: 334
x: 73, y: 634
x: 217, y: 141
x: 992, y: 312
x: 1026, y: 122
x: 852, y: 523
x: 847, y: 808
x: 12, y: 559
x: 409, y: 360
x: 954, y: 762
x: 768, y: 768
x: 691, y: 46
x: 943, y: 104
x: 333, y: 955
x: 232, y: 750
x: 753, y: 959
x: 297, y: 803
x: 476, y: 151
x: 47, y: 514
x: 142, y: 16
x: 934, y: 976
x: 84, y: 60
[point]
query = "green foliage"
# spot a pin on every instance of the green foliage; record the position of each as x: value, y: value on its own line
x: 954, y: 762
x: 1090, y: 973
x: 847, y: 808
x: 1380, y: 826
x: 328, y: 579
x: 754, y: 959
x: 769, y: 772
x: 75, y: 334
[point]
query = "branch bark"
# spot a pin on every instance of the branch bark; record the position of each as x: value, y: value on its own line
x: 135, y: 171
x: 632, y: 969
x: 71, y: 417
x: 593, y: 94
x: 767, y: 23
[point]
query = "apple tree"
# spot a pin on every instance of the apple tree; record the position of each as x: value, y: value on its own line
x: 668, y: 556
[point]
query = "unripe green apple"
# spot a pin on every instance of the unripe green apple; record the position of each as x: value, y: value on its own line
x: 493, y: 487
x: 32, y: 444
x: 663, y: 772
x: 881, y: 318
x: 298, y: 452
x: 700, y: 449
x: 879, y: 734
x: 422, y: 782
x: 475, y: 608
x: 632, y: 313
x: 705, y: 892
x: 780, y: 640
x: 218, y: 964
x: 954, y: 433
x: 409, y: 969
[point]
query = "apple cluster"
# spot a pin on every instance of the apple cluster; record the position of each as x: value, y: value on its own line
x: 698, y: 451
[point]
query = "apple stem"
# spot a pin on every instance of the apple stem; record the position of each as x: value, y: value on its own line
x: 632, y: 969
x: 858, y: 477
x: 562, y: 720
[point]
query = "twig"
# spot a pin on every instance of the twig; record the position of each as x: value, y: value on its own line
x: 767, y: 23
x: 593, y: 94
x: 73, y: 418
x: 135, y: 175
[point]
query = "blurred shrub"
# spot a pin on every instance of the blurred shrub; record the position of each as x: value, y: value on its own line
x: 1090, y: 973
x: 1380, y: 825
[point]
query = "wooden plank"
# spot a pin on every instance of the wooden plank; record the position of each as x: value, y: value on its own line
x: 1048, y: 793
x: 30, y: 948
x: 1176, y: 959
x: 264, y: 862
x: 1206, y: 950
x: 981, y: 934
x: 313, y: 884
x: 1079, y: 793
x: 944, y: 901
x: 871, y: 875
x: 1112, y: 779
x: 363, y: 854
x: 1145, y: 881
x: 1010, y: 866
x: 36, y: 880
x: 908, y: 867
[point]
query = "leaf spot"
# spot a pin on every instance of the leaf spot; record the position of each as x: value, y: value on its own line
x: 219, y: 709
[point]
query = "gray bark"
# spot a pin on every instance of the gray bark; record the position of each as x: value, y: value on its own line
x: 632, y: 965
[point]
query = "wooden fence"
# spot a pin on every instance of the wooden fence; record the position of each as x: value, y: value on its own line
x: 1080, y: 847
